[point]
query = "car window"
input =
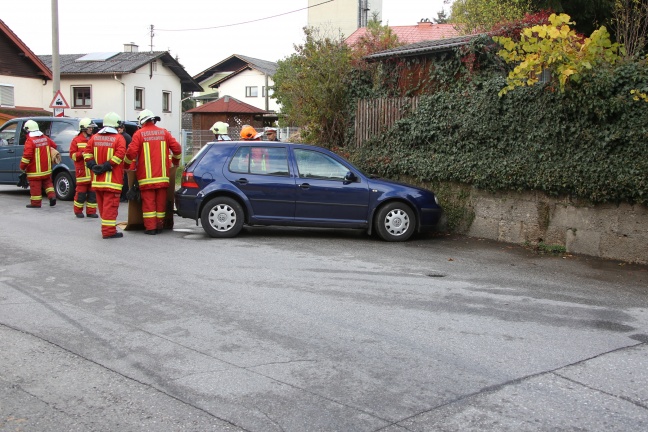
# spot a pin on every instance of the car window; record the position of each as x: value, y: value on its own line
x: 313, y: 164
x: 8, y: 134
x: 62, y: 133
x: 260, y: 160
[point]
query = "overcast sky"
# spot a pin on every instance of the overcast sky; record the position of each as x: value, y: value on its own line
x: 103, y: 26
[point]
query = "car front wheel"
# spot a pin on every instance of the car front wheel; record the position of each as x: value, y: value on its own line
x: 222, y: 217
x: 395, y: 222
x: 64, y: 186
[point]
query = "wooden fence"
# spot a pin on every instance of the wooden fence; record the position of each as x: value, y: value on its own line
x: 374, y: 116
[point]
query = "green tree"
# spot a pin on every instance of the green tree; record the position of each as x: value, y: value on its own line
x: 474, y: 16
x: 442, y: 17
x: 311, y: 86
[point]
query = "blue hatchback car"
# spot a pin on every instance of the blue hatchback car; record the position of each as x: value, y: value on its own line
x: 234, y: 183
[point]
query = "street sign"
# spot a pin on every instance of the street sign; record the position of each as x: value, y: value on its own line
x: 59, y: 101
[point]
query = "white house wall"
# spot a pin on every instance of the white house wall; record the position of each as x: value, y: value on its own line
x: 109, y: 94
x: 28, y: 92
x: 235, y: 87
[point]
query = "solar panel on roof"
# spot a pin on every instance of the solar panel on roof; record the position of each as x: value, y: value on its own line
x: 98, y: 56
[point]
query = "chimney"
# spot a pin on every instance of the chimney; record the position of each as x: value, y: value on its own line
x: 424, y: 21
x: 131, y: 47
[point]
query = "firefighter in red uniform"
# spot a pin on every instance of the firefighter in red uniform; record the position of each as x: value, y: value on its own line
x: 84, y: 192
x: 104, y: 155
x: 150, y: 149
x: 37, y: 163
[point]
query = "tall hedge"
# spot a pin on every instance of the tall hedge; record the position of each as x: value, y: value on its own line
x: 589, y: 142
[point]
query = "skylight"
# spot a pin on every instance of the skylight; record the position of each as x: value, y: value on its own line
x: 98, y: 56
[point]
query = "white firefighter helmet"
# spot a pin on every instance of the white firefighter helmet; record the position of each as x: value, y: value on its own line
x: 111, y: 120
x: 219, y: 128
x: 147, y: 115
x: 86, y: 123
x: 31, y: 126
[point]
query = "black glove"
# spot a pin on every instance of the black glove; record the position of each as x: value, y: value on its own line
x: 107, y: 167
x: 22, y: 180
x: 97, y: 169
x: 91, y: 163
x: 133, y: 193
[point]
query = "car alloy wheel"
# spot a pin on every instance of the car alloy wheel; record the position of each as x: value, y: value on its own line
x: 222, y: 217
x: 395, y: 222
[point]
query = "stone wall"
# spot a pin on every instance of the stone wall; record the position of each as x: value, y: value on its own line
x: 606, y: 230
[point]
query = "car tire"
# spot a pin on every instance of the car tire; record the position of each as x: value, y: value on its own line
x: 222, y: 217
x: 64, y: 186
x: 395, y: 222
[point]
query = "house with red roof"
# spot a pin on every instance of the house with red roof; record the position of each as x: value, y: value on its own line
x: 424, y: 30
x: 22, y: 77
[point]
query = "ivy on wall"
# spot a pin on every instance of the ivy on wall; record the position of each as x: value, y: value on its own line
x: 590, y: 141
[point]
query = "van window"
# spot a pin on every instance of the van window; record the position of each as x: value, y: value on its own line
x: 8, y: 134
x: 62, y: 133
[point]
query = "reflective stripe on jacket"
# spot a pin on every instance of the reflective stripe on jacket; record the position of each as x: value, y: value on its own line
x: 150, y: 150
x: 77, y: 146
x: 111, y: 147
x: 37, y: 158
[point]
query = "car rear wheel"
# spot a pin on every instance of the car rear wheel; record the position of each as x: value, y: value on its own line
x: 395, y: 222
x: 222, y: 217
x: 64, y: 186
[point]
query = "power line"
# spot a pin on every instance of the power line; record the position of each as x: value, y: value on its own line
x: 246, y: 22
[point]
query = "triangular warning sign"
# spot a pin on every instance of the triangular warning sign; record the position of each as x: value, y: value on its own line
x: 59, y: 101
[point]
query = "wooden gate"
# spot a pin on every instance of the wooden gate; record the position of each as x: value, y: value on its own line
x: 374, y: 116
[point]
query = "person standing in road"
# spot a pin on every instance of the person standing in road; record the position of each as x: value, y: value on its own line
x: 37, y: 163
x: 150, y: 150
x: 122, y: 130
x: 84, y: 192
x: 104, y: 155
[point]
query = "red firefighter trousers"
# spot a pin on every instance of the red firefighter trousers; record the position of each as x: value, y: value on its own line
x: 154, y: 207
x: 108, y: 202
x: 36, y: 187
x: 85, y: 194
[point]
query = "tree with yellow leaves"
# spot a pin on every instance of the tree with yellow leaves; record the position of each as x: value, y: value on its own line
x: 558, y: 48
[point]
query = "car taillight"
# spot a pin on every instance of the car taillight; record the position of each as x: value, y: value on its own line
x: 188, y: 180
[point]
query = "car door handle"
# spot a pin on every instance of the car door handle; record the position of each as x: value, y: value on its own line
x: 11, y: 151
x: 304, y: 186
x: 242, y: 181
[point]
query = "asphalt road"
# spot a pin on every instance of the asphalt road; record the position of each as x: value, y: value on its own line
x: 309, y: 330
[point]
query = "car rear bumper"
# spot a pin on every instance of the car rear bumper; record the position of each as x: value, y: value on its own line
x: 185, y: 203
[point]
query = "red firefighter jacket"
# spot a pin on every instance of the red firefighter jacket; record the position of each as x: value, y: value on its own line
x: 149, y: 149
x: 77, y: 146
x: 107, y: 146
x: 37, y: 158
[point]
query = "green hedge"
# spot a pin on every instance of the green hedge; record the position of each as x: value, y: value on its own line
x: 590, y: 142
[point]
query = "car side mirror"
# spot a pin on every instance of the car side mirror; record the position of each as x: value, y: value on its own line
x: 350, y: 177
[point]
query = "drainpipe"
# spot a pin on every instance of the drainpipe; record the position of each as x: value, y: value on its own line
x: 267, y: 98
x: 123, y: 95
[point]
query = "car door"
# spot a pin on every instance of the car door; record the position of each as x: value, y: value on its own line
x: 323, y: 195
x: 10, y: 152
x: 261, y: 173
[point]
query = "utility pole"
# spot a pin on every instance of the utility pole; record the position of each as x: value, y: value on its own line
x: 56, y: 66
x: 152, y: 34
